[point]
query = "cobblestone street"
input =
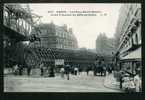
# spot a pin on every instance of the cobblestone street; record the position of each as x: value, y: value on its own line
x: 80, y: 83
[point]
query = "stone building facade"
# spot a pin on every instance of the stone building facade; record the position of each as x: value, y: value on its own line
x: 54, y: 36
x: 129, y: 28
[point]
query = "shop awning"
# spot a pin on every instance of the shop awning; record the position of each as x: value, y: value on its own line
x: 136, y: 54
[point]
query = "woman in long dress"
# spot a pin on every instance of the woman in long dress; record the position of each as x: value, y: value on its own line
x: 137, y: 82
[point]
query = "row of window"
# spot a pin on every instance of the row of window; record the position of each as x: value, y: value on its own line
x: 63, y: 34
x: 65, y: 46
x: 51, y: 43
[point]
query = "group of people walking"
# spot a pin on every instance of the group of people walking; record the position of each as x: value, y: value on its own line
x: 75, y: 70
x: 67, y: 69
x: 49, y: 70
x: 18, y: 69
x: 130, y: 82
x: 101, y: 68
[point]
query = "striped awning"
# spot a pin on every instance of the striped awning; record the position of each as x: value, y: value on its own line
x: 136, y: 54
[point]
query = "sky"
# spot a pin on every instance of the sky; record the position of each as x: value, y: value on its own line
x: 85, y: 28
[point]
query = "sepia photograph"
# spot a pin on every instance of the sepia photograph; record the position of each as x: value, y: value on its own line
x: 72, y: 47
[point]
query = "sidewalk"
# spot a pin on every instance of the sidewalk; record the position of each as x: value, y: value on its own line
x: 110, y: 82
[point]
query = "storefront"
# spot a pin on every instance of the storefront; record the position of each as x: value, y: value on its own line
x: 131, y: 70
x: 131, y: 61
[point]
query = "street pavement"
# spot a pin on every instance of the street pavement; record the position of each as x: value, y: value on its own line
x: 79, y: 83
x: 111, y: 82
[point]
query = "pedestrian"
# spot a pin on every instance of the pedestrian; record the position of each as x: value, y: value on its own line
x: 62, y: 72
x: 52, y: 74
x: 20, y: 69
x: 131, y: 86
x: 72, y: 70
x: 87, y: 70
x: 103, y: 68
x: 137, y: 82
x: 99, y: 68
x: 109, y: 69
x: 28, y: 70
x: 67, y: 70
x: 42, y: 69
x: 95, y: 69
x: 15, y: 69
x: 75, y: 70
x: 126, y: 82
x: 79, y: 69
